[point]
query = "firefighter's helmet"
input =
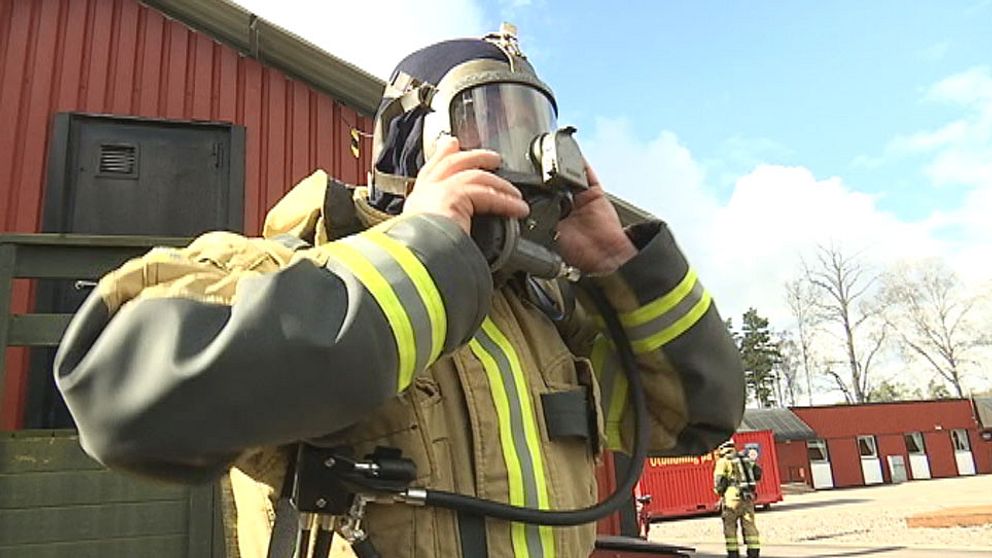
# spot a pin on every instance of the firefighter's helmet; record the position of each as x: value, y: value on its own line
x: 482, y: 91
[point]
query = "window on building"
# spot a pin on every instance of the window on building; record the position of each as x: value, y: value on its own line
x: 867, y: 448
x: 959, y: 438
x: 914, y: 443
x: 817, y: 450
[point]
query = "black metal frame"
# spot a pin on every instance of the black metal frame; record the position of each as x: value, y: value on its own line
x: 57, y: 256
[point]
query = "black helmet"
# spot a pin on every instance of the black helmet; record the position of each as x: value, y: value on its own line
x: 482, y: 91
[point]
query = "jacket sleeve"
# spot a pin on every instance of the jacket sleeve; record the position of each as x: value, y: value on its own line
x: 182, y: 359
x: 691, y: 369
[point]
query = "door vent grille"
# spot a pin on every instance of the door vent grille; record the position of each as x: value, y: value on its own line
x: 118, y: 160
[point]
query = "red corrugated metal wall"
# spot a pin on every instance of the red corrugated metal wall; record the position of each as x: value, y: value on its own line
x: 793, y: 461
x: 845, y: 462
x: 982, y: 451
x: 888, y: 418
x: 891, y: 444
x: 889, y: 422
x: 941, y: 454
x: 120, y: 57
x: 684, y: 486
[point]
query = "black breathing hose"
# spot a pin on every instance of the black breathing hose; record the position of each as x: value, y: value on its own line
x: 624, y: 490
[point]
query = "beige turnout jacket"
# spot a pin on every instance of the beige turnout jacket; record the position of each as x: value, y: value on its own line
x: 354, y: 327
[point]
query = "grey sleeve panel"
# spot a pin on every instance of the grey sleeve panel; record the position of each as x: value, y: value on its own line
x: 460, y: 272
x: 659, y: 264
x: 704, y: 356
x: 176, y: 388
x: 713, y: 380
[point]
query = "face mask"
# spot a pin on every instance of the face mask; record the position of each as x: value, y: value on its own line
x: 543, y: 162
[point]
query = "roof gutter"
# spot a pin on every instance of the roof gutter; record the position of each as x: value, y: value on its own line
x: 278, y: 48
x: 273, y: 46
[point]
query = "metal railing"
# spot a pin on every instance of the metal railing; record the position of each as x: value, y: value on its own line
x: 57, y: 256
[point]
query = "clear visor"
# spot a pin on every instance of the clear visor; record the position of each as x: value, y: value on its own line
x: 503, y: 117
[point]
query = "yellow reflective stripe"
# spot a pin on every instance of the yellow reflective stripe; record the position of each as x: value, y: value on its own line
x: 617, y: 403
x: 614, y: 389
x: 425, y: 286
x: 659, y: 306
x: 679, y: 327
x: 600, y: 348
x: 514, y: 473
x: 530, y: 427
x: 382, y: 292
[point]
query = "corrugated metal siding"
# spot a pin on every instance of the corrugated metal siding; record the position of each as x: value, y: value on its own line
x: 120, y: 57
x: 684, y: 486
x: 941, y: 454
x: 606, y: 482
x: 982, y: 450
x: 888, y: 418
x: 845, y: 462
x: 56, y: 502
x: 793, y: 461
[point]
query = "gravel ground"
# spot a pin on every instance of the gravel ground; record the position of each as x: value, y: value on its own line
x: 859, y: 516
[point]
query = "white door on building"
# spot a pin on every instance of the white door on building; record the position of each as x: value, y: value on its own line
x: 871, y: 466
x: 962, y: 452
x: 919, y: 463
x: 819, y: 464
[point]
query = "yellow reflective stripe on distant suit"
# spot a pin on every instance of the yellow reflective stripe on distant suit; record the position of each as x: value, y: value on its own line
x: 519, y: 437
x: 421, y: 278
x: 660, y: 321
x: 385, y: 296
x: 613, y: 386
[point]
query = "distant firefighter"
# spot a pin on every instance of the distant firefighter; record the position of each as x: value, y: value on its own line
x: 735, y: 479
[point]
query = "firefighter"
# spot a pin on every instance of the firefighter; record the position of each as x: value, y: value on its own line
x: 735, y: 479
x: 370, y: 318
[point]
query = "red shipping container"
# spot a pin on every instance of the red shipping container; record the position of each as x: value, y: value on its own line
x: 681, y: 486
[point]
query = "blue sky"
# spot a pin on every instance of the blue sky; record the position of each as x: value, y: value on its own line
x: 758, y: 129
x: 813, y: 83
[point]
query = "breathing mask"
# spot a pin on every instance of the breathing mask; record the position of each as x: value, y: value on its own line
x: 490, y: 98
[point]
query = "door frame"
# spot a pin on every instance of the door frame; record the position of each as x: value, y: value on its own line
x: 56, y: 203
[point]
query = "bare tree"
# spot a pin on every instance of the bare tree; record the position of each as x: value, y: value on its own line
x: 801, y: 297
x: 934, y: 316
x: 842, y: 282
x: 787, y: 369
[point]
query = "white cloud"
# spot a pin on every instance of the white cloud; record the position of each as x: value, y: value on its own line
x: 960, y: 154
x: 373, y: 35
x: 746, y: 248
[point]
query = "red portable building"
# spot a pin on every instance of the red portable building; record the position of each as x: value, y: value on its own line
x: 682, y: 486
x: 295, y: 107
x: 876, y: 443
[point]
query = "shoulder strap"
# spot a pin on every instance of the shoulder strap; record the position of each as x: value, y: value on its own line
x: 284, y: 539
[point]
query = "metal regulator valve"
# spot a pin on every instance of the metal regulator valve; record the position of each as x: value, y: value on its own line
x: 333, y: 489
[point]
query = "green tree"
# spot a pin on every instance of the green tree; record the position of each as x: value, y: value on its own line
x: 760, y: 356
x: 937, y: 390
x: 888, y: 390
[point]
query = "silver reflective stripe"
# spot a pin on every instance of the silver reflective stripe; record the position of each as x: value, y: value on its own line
x: 668, y: 318
x: 519, y: 435
x: 405, y: 290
